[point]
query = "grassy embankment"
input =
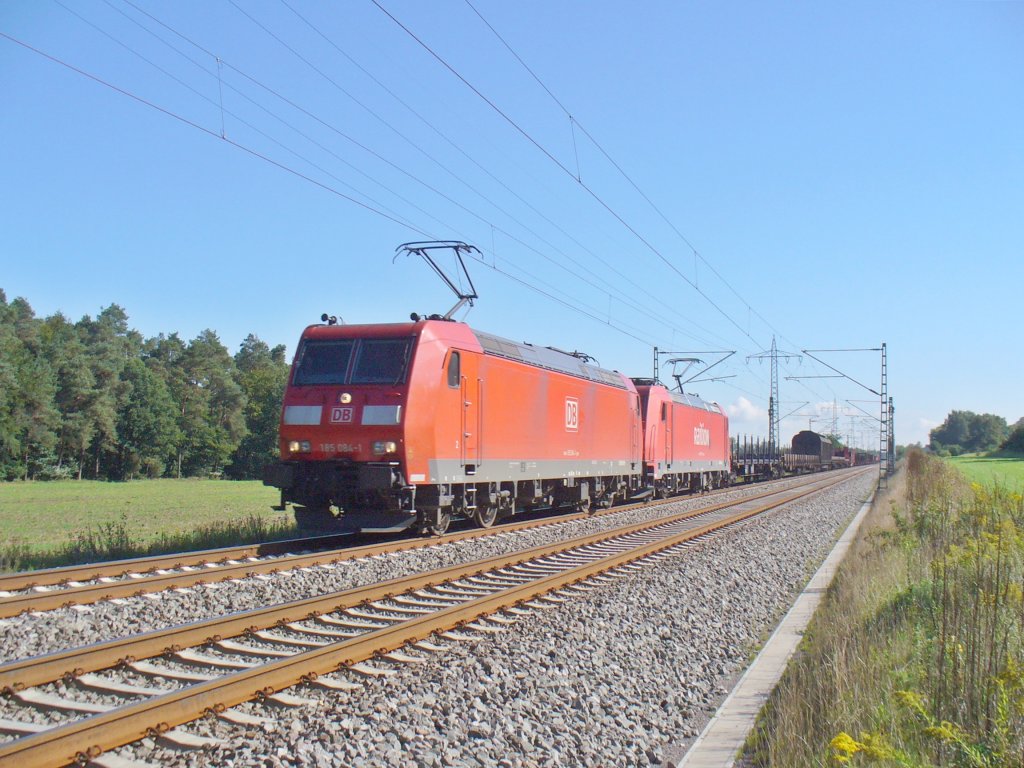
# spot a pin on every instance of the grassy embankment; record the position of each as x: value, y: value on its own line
x: 65, y: 522
x: 916, y: 656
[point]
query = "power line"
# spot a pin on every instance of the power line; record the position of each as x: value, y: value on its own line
x: 558, y: 163
x: 576, y: 123
x: 248, y: 150
x: 248, y: 124
x: 425, y: 184
x: 472, y: 160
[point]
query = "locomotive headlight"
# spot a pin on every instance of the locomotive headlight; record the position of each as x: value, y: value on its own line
x: 381, y: 447
x: 299, y: 446
x: 344, y: 398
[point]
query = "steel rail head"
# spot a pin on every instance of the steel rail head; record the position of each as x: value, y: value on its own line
x: 49, y: 667
x: 92, y: 593
x: 90, y: 736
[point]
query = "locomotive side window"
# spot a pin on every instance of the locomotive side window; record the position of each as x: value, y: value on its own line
x: 323, y: 362
x: 454, y: 373
x: 381, y: 361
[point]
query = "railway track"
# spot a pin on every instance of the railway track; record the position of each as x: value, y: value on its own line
x: 219, y: 663
x: 141, y: 566
x: 83, y: 585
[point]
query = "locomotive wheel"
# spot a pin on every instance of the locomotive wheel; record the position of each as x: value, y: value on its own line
x: 444, y: 519
x: 484, y: 517
x: 583, y: 505
x: 313, y: 518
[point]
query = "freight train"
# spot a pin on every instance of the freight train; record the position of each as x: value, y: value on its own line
x: 756, y: 459
x: 413, y: 425
x: 416, y: 424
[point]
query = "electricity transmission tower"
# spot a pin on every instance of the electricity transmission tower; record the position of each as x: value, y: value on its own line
x: 773, y: 399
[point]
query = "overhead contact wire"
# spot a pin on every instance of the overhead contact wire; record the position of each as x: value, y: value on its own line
x: 565, y: 170
x: 213, y: 134
x: 493, y: 177
x: 605, y: 288
x: 610, y: 159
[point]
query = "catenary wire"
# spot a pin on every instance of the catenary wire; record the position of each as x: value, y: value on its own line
x: 606, y: 288
x: 254, y: 153
x: 576, y: 123
x: 479, y: 165
x: 560, y: 165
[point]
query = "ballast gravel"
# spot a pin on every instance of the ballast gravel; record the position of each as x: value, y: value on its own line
x: 35, y: 634
x: 619, y: 676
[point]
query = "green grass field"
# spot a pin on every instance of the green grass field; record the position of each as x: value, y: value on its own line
x: 44, y: 516
x: 1007, y: 470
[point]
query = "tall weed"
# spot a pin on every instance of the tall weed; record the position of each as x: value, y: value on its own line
x: 918, y: 648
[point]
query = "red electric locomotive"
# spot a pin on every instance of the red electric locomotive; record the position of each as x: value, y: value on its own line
x: 414, y: 424
x: 686, y: 441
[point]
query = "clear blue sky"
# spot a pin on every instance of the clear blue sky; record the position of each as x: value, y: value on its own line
x: 854, y: 172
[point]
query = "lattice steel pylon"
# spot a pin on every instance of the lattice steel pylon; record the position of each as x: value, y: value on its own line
x: 773, y: 399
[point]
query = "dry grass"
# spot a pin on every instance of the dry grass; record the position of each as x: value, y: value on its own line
x: 915, y: 657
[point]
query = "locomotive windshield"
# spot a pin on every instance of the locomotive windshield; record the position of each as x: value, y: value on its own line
x: 381, y: 361
x: 377, y: 361
x: 324, y: 362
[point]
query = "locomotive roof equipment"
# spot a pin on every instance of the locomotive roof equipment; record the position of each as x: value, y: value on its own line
x: 423, y: 249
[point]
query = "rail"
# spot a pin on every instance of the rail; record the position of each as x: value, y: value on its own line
x: 87, y: 738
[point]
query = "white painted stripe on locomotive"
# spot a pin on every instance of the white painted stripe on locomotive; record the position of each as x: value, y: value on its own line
x: 303, y: 415
x: 498, y: 470
x: 380, y: 415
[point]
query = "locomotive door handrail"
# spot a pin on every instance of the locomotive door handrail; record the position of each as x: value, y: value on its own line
x: 671, y: 433
x: 667, y: 414
x: 471, y: 419
x: 463, y: 408
x: 479, y: 422
x: 634, y: 453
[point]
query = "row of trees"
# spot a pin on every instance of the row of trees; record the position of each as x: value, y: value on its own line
x: 95, y: 399
x: 969, y: 432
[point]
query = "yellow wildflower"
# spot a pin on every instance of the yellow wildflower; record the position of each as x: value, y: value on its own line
x: 845, y: 747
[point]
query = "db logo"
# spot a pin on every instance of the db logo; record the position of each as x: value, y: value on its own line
x: 341, y: 415
x: 702, y: 435
x: 572, y: 414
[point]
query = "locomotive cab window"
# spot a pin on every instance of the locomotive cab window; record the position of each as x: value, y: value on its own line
x: 372, y: 361
x: 454, y: 372
x: 323, y: 362
x: 381, y: 361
